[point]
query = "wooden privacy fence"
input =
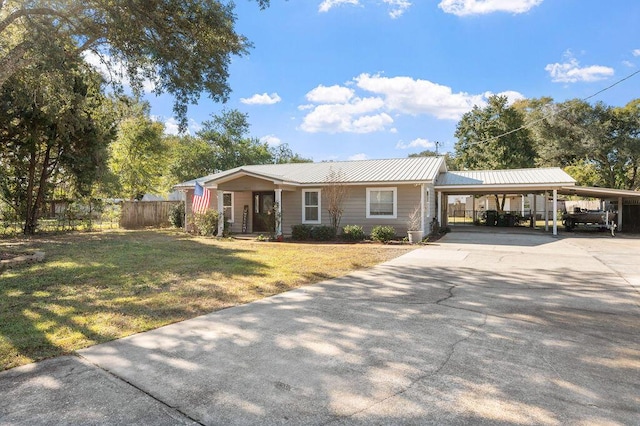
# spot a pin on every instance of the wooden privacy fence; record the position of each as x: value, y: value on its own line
x: 140, y: 214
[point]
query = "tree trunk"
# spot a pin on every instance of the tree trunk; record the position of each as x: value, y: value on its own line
x: 500, y: 204
x: 34, y: 206
x: 29, y: 228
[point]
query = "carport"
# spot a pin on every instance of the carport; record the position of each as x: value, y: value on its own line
x: 543, y: 181
x: 619, y: 196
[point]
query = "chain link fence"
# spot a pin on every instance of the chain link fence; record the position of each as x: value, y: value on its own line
x: 66, y: 216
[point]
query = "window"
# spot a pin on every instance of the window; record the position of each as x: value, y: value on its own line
x: 311, y: 206
x: 382, y: 203
x: 227, y: 204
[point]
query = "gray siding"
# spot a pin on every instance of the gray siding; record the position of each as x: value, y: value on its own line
x: 355, y: 210
x: 291, y: 210
x: 247, y: 183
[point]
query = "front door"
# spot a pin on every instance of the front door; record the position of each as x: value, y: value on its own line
x: 263, y: 215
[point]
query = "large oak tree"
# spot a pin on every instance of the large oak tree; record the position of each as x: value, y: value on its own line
x: 492, y: 137
x: 183, y: 47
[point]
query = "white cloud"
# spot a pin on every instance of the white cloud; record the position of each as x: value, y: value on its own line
x: 357, y: 157
x: 171, y: 125
x: 339, y: 109
x: 628, y: 64
x: 326, y: 5
x: 271, y: 140
x: 263, y: 99
x: 570, y: 71
x: 416, y: 143
x: 636, y: 52
x: 114, y: 70
x: 482, y: 7
x: 398, y: 7
x: 330, y: 95
x: 415, y: 96
x: 352, y: 117
x: 511, y: 95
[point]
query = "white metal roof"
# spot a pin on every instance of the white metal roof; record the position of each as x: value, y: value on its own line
x: 415, y: 169
x: 471, y: 179
x: 598, y: 192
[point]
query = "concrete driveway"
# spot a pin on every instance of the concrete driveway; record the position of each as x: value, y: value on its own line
x: 479, y: 328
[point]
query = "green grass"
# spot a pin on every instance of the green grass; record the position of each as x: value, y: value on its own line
x: 95, y: 287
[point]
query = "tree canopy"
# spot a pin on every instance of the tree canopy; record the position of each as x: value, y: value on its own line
x: 598, y: 144
x: 138, y: 156
x: 53, y: 126
x: 484, y: 141
x: 182, y: 47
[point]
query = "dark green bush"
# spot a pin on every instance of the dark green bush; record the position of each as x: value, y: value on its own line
x: 206, y: 223
x: 352, y: 233
x: 301, y: 232
x: 323, y: 233
x: 384, y: 234
x: 176, y: 215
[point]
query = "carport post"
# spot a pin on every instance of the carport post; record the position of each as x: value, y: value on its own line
x: 555, y: 212
x: 619, y: 214
x: 535, y: 216
x: 473, y: 208
x: 546, y: 211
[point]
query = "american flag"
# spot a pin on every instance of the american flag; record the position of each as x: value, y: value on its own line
x: 201, y: 197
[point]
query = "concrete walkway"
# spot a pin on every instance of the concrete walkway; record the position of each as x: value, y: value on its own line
x: 479, y: 328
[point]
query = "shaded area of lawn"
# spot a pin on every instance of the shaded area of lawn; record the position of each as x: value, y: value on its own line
x: 96, y: 287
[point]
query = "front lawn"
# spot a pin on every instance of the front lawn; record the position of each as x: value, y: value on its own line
x: 96, y: 287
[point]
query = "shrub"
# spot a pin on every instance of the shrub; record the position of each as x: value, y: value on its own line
x: 176, y: 215
x: 323, y: 233
x: 352, y: 233
x: 206, y: 223
x: 301, y: 232
x: 384, y: 234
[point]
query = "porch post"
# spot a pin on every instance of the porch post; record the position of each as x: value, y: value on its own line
x: 522, y: 209
x: 185, y: 225
x: 546, y: 211
x: 619, y: 214
x: 422, y: 207
x: 278, y: 212
x: 555, y: 212
x: 440, y: 208
x: 220, y: 212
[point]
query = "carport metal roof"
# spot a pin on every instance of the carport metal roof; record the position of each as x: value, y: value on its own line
x: 597, y: 192
x: 504, y: 181
x: 523, y: 181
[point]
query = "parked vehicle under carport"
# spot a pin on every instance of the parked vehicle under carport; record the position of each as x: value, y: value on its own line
x: 595, y: 219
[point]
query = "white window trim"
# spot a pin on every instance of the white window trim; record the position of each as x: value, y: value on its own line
x: 304, y: 210
x: 233, y: 204
x: 395, y: 203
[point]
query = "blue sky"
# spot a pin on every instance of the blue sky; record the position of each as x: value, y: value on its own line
x: 359, y: 79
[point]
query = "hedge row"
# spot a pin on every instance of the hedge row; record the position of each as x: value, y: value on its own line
x: 349, y: 233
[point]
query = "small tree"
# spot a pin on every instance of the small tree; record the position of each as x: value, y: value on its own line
x: 336, y: 194
x: 414, y: 220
